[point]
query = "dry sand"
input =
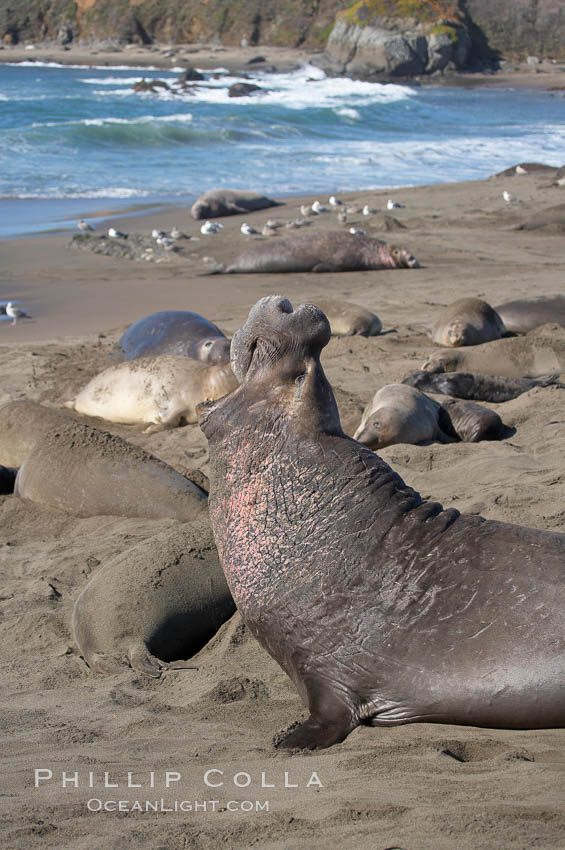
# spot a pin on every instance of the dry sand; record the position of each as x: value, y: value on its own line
x: 415, y: 786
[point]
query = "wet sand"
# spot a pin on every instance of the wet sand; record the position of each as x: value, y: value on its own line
x: 414, y: 786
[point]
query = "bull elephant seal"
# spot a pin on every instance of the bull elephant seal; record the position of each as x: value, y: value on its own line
x: 177, y: 332
x: 493, y: 388
x: 162, y: 391
x: 469, y: 321
x: 381, y: 607
x: 88, y: 472
x: 349, y: 319
x: 331, y: 251
x: 525, y: 314
x: 540, y: 352
x: 220, y: 202
x: 159, y: 601
x: 401, y: 414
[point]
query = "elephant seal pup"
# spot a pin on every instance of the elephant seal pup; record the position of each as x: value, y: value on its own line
x: 162, y: 391
x: 177, y: 332
x: 540, y: 352
x: 525, y: 314
x: 472, y: 422
x: 381, y: 607
x: 469, y: 321
x: 348, y: 319
x: 331, y: 251
x: 7, y: 480
x: 159, y: 601
x: 493, y: 388
x: 220, y: 202
x: 88, y: 472
x: 401, y: 414
x: 551, y: 220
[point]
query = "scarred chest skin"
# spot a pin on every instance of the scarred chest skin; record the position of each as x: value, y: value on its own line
x: 381, y: 608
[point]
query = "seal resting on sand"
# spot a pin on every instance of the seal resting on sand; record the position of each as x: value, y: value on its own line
x: 472, y: 422
x: 177, y: 332
x: 551, y: 220
x: 162, y: 391
x: 88, y: 472
x: 401, y: 414
x: 219, y: 202
x: 330, y: 251
x: 157, y: 602
x: 539, y: 353
x: 469, y: 321
x: 381, y: 607
x: 348, y: 319
x: 525, y: 314
x: 493, y: 388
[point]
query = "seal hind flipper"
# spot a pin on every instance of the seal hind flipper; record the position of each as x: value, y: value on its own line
x: 143, y: 661
x: 331, y: 720
x: 101, y: 663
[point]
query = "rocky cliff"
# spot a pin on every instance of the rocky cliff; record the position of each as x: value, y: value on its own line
x: 522, y: 27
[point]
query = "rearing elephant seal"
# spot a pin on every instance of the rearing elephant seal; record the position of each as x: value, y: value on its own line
x: 160, y: 600
x: 220, y: 202
x: 177, y: 332
x: 381, y: 607
x: 469, y: 321
x: 331, y: 251
x: 162, y: 391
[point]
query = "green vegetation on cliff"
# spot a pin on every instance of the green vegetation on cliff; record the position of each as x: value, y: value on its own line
x: 370, y: 12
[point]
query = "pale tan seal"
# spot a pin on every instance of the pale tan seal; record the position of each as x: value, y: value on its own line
x: 159, y: 601
x: 540, y: 352
x: 161, y: 391
x: 525, y: 314
x: 468, y: 321
x: 348, y: 319
x: 401, y: 414
x: 220, y: 202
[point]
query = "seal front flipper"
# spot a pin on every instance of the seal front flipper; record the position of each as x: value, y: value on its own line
x: 330, y: 722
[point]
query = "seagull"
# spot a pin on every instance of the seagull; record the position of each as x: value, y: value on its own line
x: 317, y: 208
x: 268, y: 230
x: 116, y: 234
x: 351, y: 210
x: 357, y: 230
x: 306, y: 210
x: 274, y: 222
x: 158, y: 234
x: 211, y: 227
x: 521, y: 170
x: 509, y: 198
x: 165, y: 242
x: 367, y: 210
x: 15, y: 313
x: 335, y: 202
x: 177, y: 234
x: 394, y: 205
x: 247, y: 230
x: 342, y: 216
x: 84, y: 225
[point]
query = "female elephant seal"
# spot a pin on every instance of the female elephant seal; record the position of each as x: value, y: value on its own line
x: 87, y: 472
x: 540, y: 352
x: 349, y: 319
x: 219, y: 202
x: 524, y: 314
x: 469, y: 321
x: 493, y: 388
x: 331, y: 251
x: 401, y: 414
x: 162, y: 391
x: 381, y: 607
x: 177, y: 332
x: 159, y: 601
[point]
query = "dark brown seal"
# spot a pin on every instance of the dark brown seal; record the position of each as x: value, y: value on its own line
x: 177, y: 332
x: 381, y: 607
x: 331, y: 251
x: 466, y: 385
x: 220, y: 202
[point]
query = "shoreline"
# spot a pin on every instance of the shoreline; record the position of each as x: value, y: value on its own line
x: 547, y: 75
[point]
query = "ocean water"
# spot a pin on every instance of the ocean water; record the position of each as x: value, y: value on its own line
x: 79, y: 141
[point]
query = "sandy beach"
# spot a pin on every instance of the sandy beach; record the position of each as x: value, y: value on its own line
x: 415, y: 786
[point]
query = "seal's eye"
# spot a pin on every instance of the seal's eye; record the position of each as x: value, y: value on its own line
x: 209, y: 343
x: 299, y: 380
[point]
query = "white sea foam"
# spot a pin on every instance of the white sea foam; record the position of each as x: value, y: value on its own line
x: 347, y: 112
